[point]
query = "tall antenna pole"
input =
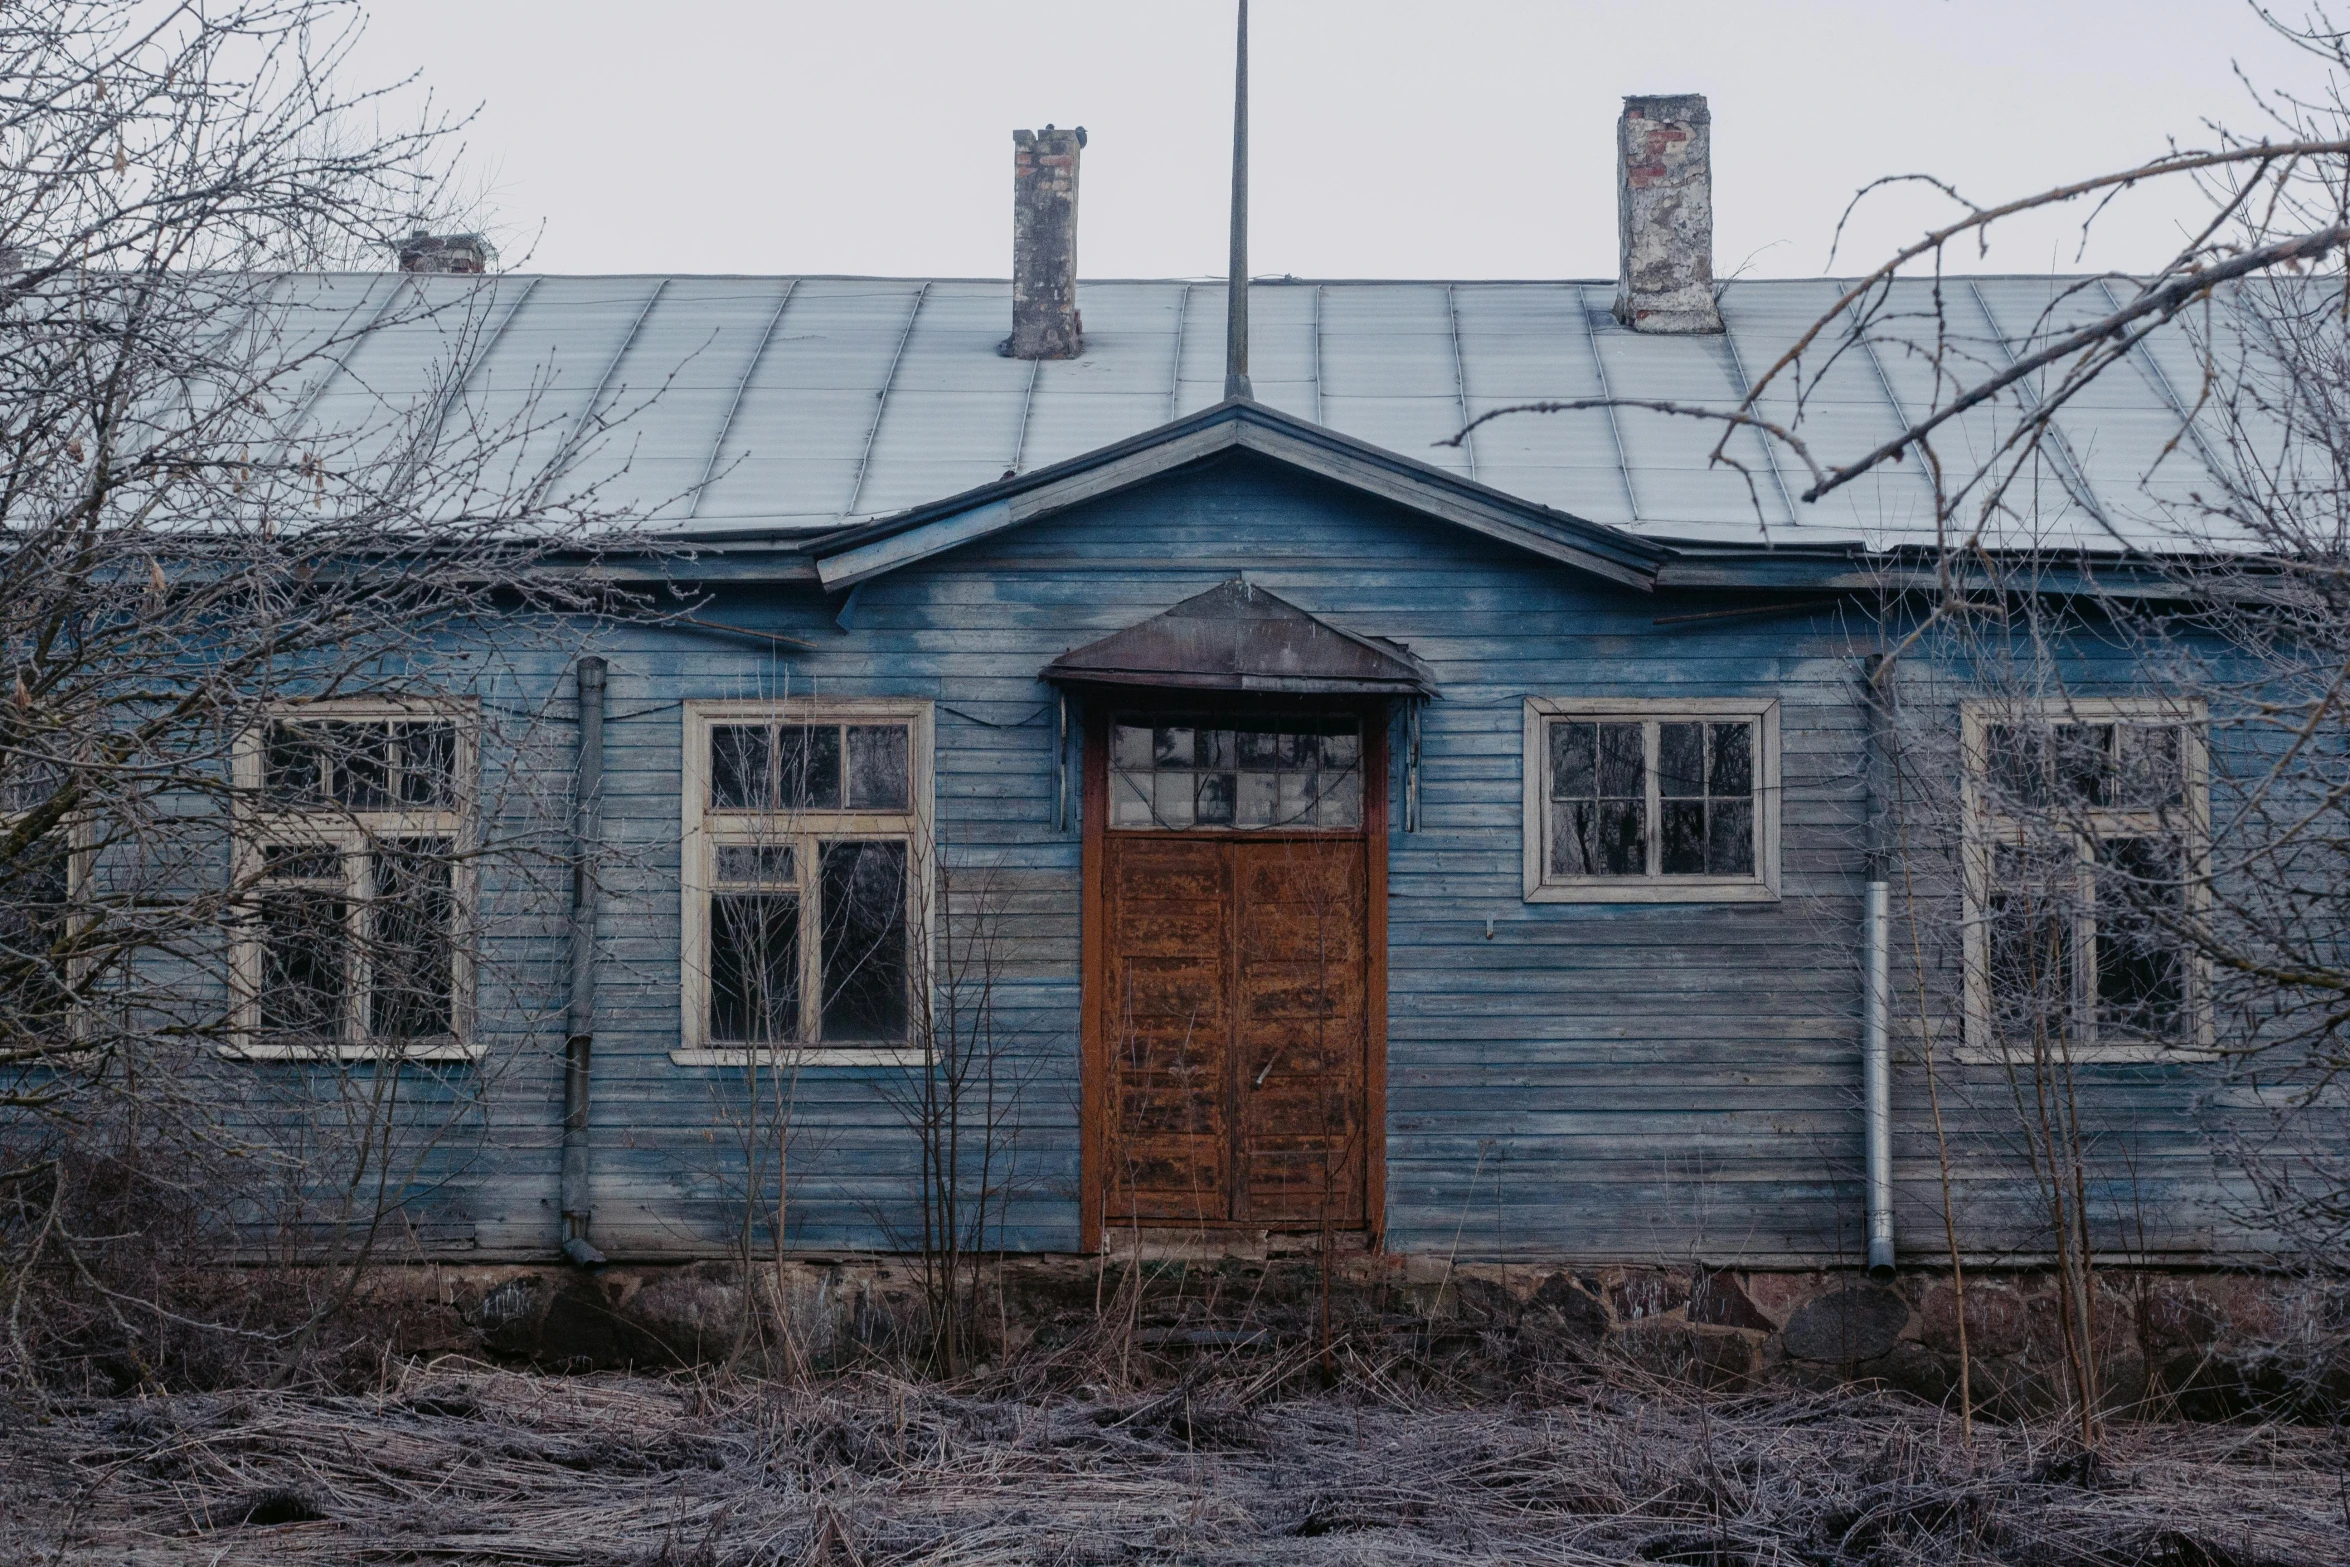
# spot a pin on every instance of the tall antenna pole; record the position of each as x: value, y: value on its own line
x: 1236, y: 310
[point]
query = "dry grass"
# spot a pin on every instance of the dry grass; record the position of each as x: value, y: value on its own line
x: 459, y: 1462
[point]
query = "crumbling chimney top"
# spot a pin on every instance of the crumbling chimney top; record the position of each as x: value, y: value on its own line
x: 1665, y: 215
x: 1045, y: 322
x: 468, y: 253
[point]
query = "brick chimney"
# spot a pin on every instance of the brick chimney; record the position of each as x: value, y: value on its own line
x: 1045, y: 323
x: 421, y: 252
x: 1665, y: 215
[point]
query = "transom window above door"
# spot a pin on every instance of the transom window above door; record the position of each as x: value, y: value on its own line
x: 1670, y: 801
x: 1187, y: 771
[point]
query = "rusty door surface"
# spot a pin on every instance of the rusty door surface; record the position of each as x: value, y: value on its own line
x: 1234, y: 983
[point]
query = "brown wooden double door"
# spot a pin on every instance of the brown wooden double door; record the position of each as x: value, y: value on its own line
x: 1234, y: 1024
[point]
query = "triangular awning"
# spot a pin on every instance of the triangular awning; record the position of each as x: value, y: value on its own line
x: 1238, y: 637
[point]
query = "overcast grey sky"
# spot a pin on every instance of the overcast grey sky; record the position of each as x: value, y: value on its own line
x: 1469, y: 138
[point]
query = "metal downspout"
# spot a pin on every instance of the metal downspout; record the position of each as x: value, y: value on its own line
x: 1876, y: 1059
x: 587, y: 833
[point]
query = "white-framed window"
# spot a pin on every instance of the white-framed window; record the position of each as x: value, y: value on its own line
x: 806, y: 869
x: 356, y: 879
x: 2087, y: 831
x: 1666, y: 801
x: 38, y: 973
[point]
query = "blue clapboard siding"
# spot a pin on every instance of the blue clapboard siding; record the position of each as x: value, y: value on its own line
x: 1597, y: 1082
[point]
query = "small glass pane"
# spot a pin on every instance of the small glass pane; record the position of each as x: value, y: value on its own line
x: 754, y: 967
x: 1171, y: 799
x: 292, y: 768
x: 1130, y: 746
x: 427, y: 756
x: 1623, y: 764
x: 1216, y: 799
x: 1729, y: 838
x: 305, y: 941
x: 2152, y: 767
x: 1174, y: 747
x: 878, y: 767
x: 1683, y: 850
x: 755, y: 865
x: 1574, y: 761
x: 411, y: 992
x: 359, y: 759
x: 302, y: 862
x: 2015, y: 760
x: 741, y: 759
x: 1730, y: 761
x: 1130, y: 799
x: 864, y: 941
x: 807, y: 767
x: 2141, y: 962
x: 2085, y: 763
x: 2034, y: 905
x: 1259, y: 799
x: 1680, y: 761
x: 1621, y: 838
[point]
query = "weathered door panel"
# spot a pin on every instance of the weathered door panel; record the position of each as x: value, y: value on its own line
x: 1300, y: 1030
x: 1234, y: 1019
x: 1167, y: 998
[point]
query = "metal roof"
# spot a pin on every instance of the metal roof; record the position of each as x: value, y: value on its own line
x: 750, y: 404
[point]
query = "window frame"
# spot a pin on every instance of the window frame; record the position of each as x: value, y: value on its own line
x: 259, y: 826
x: 1985, y: 831
x: 706, y: 830
x: 1540, y: 886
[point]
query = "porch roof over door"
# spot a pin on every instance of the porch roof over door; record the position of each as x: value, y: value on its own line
x: 1238, y: 637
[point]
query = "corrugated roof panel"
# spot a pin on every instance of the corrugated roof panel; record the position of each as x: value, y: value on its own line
x: 861, y: 399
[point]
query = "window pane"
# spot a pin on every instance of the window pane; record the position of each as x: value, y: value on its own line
x: 2152, y: 767
x: 741, y: 757
x: 2015, y: 762
x: 2033, y: 907
x: 1622, y: 840
x: 411, y: 957
x: 1730, y: 766
x: 302, y: 862
x: 1623, y: 763
x: 878, y: 767
x: 1130, y: 746
x: 2084, y: 763
x: 304, y: 946
x: 754, y: 967
x: 1680, y: 761
x: 1683, y: 851
x: 359, y: 764
x: 2141, y: 967
x: 755, y: 865
x: 291, y: 771
x: 33, y: 926
x: 1174, y: 747
x: 428, y: 765
x: 1574, y: 761
x: 1130, y: 799
x: 1218, y: 793
x: 1729, y: 838
x: 807, y: 767
x: 864, y: 941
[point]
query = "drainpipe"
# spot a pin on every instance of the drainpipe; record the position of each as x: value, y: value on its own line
x: 1876, y: 1058
x: 587, y: 833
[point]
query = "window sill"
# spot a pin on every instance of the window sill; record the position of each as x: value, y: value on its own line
x: 451, y: 1051
x: 1695, y: 889
x: 808, y: 1056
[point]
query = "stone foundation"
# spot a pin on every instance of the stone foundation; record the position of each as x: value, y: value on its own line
x: 2205, y: 1345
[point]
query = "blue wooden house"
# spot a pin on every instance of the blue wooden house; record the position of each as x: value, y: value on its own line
x: 1310, y: 822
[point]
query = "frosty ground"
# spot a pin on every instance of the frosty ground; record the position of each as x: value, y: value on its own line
x: 459, y: 1461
